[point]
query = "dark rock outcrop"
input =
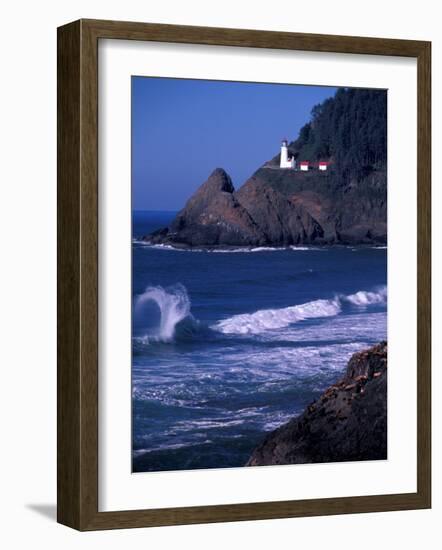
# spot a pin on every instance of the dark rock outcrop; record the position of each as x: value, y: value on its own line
x: 278, y: 207
x: 282, y: 220
x: 347, y: 423
x: 211, y: 217
x: 346, y: 211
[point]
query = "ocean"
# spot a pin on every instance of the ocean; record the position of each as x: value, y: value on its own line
x: 229, y: 345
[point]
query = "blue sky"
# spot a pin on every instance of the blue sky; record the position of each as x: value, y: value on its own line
x: 183, y: 129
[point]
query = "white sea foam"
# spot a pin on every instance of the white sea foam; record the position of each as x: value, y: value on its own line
x: 161, y: 246
x: 174, y: 306
x: 244, y: 250
x: 264, y: 249
x: 268, y: 319
x: 364, y: 298
x: 237, y: 250
x: 206, y: 424
x: 248, y: 249
x: 296, y: 248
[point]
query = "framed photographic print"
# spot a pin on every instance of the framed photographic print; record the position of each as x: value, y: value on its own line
x: 243, y: 239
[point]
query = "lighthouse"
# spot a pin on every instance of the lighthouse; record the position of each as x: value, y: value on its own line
x: 285, y: 161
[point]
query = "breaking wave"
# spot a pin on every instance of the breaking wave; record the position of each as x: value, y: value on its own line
x: 268, y: 319
x: 174, y: 307
x: 176, y: 320
x: 364, y: 298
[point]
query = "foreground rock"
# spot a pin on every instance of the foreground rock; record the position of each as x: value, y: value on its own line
x: 347, y: 423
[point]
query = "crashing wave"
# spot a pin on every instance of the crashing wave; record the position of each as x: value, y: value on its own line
x: 176, y: 319
x: 364, y: 298
x: 174, y: 306
x: 268, y: 319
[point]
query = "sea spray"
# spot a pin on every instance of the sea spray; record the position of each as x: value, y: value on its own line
x: 174, y: 305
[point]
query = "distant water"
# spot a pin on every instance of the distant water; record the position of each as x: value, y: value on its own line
x: 229, y: 345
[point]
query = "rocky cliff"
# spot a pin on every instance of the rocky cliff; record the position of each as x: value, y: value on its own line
x: 347, y: 423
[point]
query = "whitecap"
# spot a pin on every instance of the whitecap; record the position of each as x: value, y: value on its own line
x: 364, y: 298
x: 269, y: 319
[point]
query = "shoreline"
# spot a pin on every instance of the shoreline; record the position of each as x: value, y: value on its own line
x: 264, y: 248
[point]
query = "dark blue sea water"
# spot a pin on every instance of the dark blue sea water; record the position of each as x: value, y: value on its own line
x: 229, y: 345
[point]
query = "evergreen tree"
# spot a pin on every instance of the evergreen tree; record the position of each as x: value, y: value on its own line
x: 349, y: 129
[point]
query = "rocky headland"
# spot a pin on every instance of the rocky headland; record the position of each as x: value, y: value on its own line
x: 347, y: 423
x: 346, y: 204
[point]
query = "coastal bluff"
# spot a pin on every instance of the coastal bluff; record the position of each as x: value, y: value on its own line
x: 347, y: 423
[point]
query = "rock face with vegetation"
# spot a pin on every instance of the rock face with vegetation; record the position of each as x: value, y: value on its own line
x: 347, y: 204
x: 347, y: 423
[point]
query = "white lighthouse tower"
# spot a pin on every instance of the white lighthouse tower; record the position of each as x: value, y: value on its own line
x: 285, y: 161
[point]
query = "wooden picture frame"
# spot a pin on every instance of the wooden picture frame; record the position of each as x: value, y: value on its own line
x: 78, y: 274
